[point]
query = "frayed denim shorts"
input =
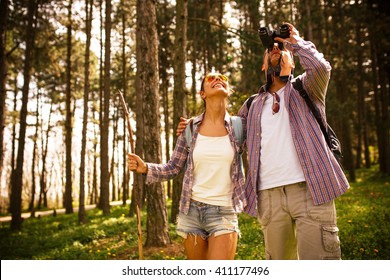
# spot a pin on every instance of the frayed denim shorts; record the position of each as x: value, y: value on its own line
x: 204, y: 220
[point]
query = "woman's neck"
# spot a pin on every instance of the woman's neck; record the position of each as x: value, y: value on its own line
x: 215, y: 111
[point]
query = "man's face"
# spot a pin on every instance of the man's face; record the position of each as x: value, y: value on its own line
x: 272, y: 57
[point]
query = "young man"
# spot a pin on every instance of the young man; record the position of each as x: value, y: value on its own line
x: 293, y: 177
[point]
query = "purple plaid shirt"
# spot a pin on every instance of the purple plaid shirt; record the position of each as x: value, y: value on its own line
x: 183, y: 155
x: 324, y: 176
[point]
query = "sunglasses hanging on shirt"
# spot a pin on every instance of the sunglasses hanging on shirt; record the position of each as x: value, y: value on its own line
x: 275, y: 103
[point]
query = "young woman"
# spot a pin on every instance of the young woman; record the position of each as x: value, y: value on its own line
x: 213, y: 185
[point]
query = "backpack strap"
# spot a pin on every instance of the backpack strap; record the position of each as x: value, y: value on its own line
x: 297, y: 84
x: 237, y: 128
x: 262, y: 89
x: 250, y: 100
x: 188, y: 133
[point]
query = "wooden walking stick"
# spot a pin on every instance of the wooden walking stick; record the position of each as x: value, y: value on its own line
x: 132, y: 148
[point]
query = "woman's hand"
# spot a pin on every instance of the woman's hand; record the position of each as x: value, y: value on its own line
x: 136, y: 163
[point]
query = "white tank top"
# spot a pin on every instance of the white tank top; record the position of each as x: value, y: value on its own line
x: 279, y: 164
x: 213, y: 157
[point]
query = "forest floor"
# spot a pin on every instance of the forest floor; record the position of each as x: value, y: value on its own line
x: 38, y: 214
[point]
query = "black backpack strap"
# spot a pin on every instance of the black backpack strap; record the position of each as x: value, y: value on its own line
x: 250, y: 99
x: 297, y: 84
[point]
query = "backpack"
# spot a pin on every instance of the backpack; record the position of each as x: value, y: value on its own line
x: 237, y: 127
x: 330, y: 136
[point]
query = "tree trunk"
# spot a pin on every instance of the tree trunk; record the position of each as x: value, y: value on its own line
x: 125, y: 175
x: 101, y: 102
x: 165, y: 104
x: 17, y: 174
x: 45, y: 146
x: 34, y: 159
x: 209, y: 54
x: 179, y: 89
x: 345, y: 128
x: 219, y: 64
x: 309, y: 27
x: 360, y: 99
x: 192, y: 104
x: 94, y: 187
x: 68, y: 200
x: 148, y: 85
x: 3, y: 76
x: 105, y: 176
x: 384, y: 109
x: 114, y: 149
x: 15, y: 108
x: 88, y: 21
x: 165, y: 48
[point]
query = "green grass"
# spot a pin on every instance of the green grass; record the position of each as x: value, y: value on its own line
x: 363, y: 215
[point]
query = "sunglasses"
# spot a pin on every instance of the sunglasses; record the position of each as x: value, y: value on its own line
x: 211, y: 77
x: 275, y: 103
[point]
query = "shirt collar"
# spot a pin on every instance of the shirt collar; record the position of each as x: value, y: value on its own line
x: 197, y: 120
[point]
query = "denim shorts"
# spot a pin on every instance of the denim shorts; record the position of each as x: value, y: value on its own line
x: 205, y: 219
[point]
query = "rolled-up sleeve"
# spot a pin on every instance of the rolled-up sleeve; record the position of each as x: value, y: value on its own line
x: 167, y: 171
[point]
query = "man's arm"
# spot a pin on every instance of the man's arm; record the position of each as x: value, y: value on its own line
x: 182, y: 125
x: 317, y: 69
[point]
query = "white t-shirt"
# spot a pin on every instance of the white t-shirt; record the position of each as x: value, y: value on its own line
x: 213, y: 157
x: 279, y: 164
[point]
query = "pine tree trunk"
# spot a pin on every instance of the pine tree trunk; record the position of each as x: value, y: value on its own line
x: 165, y: 64
x: 68, y: 200
x: 45, y: 146
x: 88, y: 20
x: 125, y: 175
x: 34, y: 159
x: 114, y: 150
x: 360, y: 99
x: 101, y: 102
x: 105, y: 176
x: 384, y: 109
x: 147, y: 82
x: 209, y: 54
x: 179, y: 90
x: 94, y: 191
x: 3, y: 76
x: 17, y: 174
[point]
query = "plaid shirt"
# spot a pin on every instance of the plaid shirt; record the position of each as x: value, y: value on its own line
x: 183, y: 155
x: 324, y: 176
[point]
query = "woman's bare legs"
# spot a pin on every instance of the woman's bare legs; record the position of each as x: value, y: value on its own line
x: 222, y: 247
x: 195, y: 247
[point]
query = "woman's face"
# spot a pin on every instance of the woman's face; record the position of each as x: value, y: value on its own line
x: 214, y: 84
